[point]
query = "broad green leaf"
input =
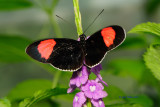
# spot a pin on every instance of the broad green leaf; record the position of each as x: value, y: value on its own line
x: 12, y: 48
x: 128, y: 67
x: 152, y: 59
x: 14, y: 4
x: 28, y: 88
x: 5, y: 102
x: 40, y: 95
x: 114, y: 94
x: 148, y: 27
x: 142, y: 100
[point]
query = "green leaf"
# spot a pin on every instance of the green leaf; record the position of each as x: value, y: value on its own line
x: 40, y: 95
x: 148, y: 27
x: 12, y: 49
x: 28, y: 88
x: 142, y: 100
x: 5, y: 102
x: 14, y: 4
x: 114, y: 94
x: 152, y: 59
x: 125, y: 67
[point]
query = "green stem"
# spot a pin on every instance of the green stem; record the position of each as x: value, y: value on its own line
x: 89, y: 103
x: 56, y: 78
x: 77, y: 17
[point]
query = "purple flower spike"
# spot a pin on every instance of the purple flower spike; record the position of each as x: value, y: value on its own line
x: 98, y: 103
x: 94, y: 90
x: 79, y: 99
x: 79, y: 77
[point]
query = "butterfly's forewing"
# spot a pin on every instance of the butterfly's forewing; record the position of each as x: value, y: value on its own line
x: 64, y: 54
x: 102, y: 41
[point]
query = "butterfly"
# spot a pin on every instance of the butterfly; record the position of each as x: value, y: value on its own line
x: 69, y: 55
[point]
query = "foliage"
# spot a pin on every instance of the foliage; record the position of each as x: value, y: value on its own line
x: 28, y: 88
x: 5, y: 102
x: 152, y: 59
x: 148, y: 27
x: 40, y: 95
x: 14, y: 4
x: 12, y: 48
x: 152, y: 56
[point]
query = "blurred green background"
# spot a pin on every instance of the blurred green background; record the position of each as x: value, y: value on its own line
x: 23, y: 21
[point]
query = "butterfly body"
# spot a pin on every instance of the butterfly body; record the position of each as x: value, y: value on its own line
x: 69, y: 55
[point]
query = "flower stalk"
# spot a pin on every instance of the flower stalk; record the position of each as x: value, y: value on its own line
x: 77, y: 17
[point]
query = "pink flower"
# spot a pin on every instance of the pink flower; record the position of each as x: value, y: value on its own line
x: 79, y: 99
x: 98, y: 103
x: 93, y: 90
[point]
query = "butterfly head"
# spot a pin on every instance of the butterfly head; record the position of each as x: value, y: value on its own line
x: 82, y: 37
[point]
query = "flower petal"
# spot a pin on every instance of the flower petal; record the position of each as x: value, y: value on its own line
x: 71, y: 89
x: 98, y: 103
x: 79, y: 99
x: 88, y: 94
x: 96, y: 69
x: 79, y: 77
x: 99, y: 78
x: 99, y: 94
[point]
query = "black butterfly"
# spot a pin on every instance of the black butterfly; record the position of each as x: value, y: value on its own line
x: 69, y: 55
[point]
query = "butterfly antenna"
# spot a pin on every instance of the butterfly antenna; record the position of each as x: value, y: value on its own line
x: 65, y: 21
x: 94, y: 20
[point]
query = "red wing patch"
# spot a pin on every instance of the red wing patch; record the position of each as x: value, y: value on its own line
x: 45, y: 48
x: 108, y: 35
